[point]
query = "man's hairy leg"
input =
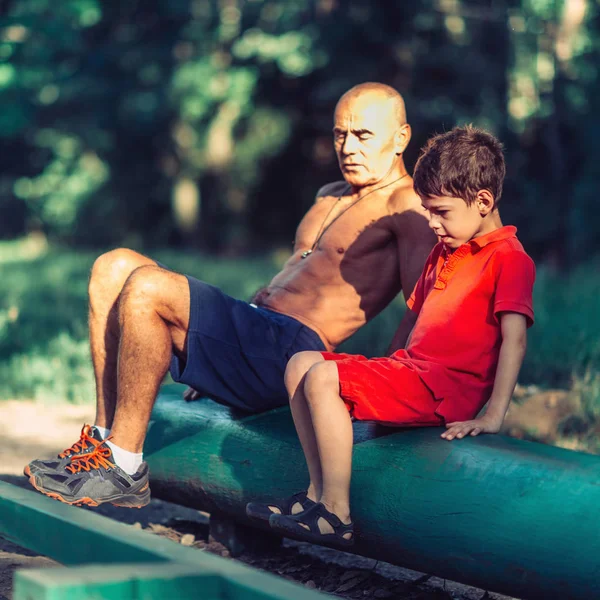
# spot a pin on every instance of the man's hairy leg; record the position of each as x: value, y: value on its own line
x: 107, y: 278
x: 153, y: 321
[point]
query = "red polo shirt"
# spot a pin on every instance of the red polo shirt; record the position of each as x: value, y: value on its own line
x: 455, y: 342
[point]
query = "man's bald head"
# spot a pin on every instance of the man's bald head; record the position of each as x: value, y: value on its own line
x: 370, y: 134
x: 373, y: 92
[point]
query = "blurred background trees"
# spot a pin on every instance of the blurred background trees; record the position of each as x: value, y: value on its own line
x: 198, y: 131
x: 206, y: 123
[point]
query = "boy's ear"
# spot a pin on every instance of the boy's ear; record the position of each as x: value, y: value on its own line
x: 485, y: 202
x: 402, y: 137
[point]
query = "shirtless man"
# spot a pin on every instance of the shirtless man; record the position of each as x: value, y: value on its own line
x: 364, y: 240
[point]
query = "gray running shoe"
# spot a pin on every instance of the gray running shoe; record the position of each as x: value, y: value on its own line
x: 93, y: 479
x: 89, y: 438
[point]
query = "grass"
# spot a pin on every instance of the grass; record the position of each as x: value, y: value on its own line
x: 43, y: 321
x: 565, y: 341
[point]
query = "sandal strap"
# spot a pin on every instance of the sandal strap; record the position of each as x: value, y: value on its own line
x: 285, y: 505
x: 299, y: 498
x: 318, y: 511
x: 338, y: 527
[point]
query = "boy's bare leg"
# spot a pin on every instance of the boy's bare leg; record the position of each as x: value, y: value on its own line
x: 108, y: 276
x: 295, y: 374
x: 333, y: 433
x: 153, y: 323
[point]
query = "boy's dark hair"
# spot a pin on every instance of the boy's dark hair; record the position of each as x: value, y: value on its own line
x: 459, y: 163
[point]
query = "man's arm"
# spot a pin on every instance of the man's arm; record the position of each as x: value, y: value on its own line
x: 402, y: 335
x: 415, y: 241
x: 512, y: 352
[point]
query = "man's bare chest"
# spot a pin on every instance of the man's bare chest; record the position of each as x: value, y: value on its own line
x: 341, y: 228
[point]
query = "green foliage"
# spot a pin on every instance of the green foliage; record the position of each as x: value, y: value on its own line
x: 111, y: 105
x: 43, y: 334
x: 106, y: 108
x: 588, y: 387
x: 58, y: 371
x: 71, y: 177
x: 565, y: 340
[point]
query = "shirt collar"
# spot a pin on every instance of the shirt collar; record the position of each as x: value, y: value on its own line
x: 476, y: 244
x: 504, y: 233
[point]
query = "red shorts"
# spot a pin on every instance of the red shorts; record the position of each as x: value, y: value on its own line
x: 384, y: 390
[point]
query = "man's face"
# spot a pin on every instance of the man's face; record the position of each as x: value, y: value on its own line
x: 453, y: 220
x: 364, y: 136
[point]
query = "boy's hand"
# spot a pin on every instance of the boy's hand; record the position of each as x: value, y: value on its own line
x: 461, y: 428
x: 514, y: 341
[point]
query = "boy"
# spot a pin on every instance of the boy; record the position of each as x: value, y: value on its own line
x: 471, y: 308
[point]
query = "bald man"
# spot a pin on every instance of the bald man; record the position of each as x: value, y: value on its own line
x: 363, y: 241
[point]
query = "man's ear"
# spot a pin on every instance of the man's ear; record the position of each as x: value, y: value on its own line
x: 485, y: 202
x: 402, y: 137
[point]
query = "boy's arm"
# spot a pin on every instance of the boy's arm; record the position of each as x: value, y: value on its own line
x: 512, y: 351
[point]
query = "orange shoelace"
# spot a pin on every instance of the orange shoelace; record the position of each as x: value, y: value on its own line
x: 84, y: 441
x: 96, y: 459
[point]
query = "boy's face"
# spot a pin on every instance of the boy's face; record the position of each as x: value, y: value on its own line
x: 454, y: 221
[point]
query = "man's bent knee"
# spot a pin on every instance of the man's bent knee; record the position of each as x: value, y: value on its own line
x: 145, y: 285
x: 114, y: 267
x: 166, y: 293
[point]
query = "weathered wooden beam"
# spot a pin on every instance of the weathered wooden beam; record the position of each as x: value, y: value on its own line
x: 148, y: 582
x: 75, y: 536
x: 502, y: 514
x: 118, y: 582
x: 72, y: 537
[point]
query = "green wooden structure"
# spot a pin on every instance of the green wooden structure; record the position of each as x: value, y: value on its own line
x: 112, y: 561
x: 502, y: 514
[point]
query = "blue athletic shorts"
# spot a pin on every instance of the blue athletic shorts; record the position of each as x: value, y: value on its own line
x: 237, y: 353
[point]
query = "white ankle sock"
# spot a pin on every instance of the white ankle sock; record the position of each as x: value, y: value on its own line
x: 102, y: 431
x: 128, y: 461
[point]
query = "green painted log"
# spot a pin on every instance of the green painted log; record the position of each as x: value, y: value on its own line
x: 502, y: 514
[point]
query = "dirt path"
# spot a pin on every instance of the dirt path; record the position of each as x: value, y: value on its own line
x: 29, y: 430
x: 12, y: 558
